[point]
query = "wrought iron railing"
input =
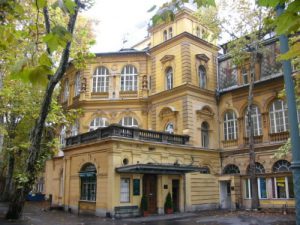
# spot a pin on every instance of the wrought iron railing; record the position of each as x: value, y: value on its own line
x: 116, y: 130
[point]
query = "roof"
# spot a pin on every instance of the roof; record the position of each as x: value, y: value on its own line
x: 123, y: 51
x: 159, y: 168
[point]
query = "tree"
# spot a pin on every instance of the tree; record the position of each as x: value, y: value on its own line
x: 288, y: 23
x: 246, y: 31
x: 36, y: 63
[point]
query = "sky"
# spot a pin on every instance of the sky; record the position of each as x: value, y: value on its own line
x: 118, y: 20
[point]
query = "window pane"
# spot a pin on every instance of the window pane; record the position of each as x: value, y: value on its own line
x: 291, y: 187
x: 263, y: 188
x: 280, y: 187
x: 125, y: 192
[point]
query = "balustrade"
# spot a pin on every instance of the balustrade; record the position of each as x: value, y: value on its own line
x: 127, y: 132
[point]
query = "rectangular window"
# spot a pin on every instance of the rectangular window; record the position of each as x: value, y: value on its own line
x: 283, y: 187
x: 262, y: 188
x: 245, y: 76
x: 125, y: 190
x: 88, y: 188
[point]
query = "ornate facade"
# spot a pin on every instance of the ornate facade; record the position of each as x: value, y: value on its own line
x: 169, y: 116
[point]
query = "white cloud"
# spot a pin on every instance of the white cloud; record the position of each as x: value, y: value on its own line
x: 119, y: 18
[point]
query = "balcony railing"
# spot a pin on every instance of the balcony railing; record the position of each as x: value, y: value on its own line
x: 116, y: 130
x: 230, y: 143
x: 279, y: 137
x: 256, y: 139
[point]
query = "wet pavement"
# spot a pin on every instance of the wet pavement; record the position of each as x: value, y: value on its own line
x: 38, y: 214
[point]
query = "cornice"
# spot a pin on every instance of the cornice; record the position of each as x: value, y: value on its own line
x: 180, y: 36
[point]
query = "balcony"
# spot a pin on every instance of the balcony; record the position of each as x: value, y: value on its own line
x: 133, y: 133
x: 256, y: 139
x: 279, y: 137
x: 230, y: 143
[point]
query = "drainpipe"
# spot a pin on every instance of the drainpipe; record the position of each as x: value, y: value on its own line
x: 292, y: 116
x: 184, y: 193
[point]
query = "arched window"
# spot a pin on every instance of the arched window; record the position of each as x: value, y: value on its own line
x: 169, y: 78
x: 256, y: 119
x: 98, y: 122
x: 88, y: 182
x: 198, y: 32
x: 100, y: 79
x: 170, y: 32
x: 278, y: 116
x: 165, y: 35
x: 281, y: 166
x: 231, y: 169
x: 259, y: 168
x: 129, y: 78
x: 283, y: 186
x: 66, y: 91
x: 75, y: 128
x: 205, y: 135
x: 77, y: 84
x: 202, y: 77
x: 129, y: 122
x: 230, y: 126
x: 169, y: 128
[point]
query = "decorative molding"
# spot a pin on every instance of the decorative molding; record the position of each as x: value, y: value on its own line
x: 167, y: 58
x: 202, y: 57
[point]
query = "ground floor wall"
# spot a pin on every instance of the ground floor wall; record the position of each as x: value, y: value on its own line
x: 115, y: 190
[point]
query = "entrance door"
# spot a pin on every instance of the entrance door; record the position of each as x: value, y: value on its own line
x: 175, y: 195
x: 150, y: 191
x: 225, y: 193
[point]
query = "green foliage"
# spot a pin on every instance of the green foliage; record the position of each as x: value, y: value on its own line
x: 144, y: 203
x: 166, y: 12
x: 287, y: 23
x: 168, y: 202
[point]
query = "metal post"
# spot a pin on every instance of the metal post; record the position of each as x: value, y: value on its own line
x: 292, y: 117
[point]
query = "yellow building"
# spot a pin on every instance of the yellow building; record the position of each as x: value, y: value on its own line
x: 168, y: 116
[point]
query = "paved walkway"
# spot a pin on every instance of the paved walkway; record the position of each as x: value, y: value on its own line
x: 35, y: 214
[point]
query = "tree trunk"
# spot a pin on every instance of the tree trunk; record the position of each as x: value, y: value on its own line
x: 5, y: 196
x: 16, y: 205
x: 252, y: 168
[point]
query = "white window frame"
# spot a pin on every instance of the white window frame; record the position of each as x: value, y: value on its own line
x: 101, y: 79
x: 202, y: 76
x: 75, y: 128
x: 203, y: 135
x: 129, y: 121
x: 256, y: 119
x: 244, y: 73
x: 230, y: 124
x: 63, y: 136
x: 277, y: 115
x: 98, y: 122
x: 66, y: 91
x: 248, y: 188
x: 129, y: 78
x: 287, y: 193
x: 125, y: 190
x: 165, y: 35
x: 170, y: 35
x: 169, y: 78
x: 198, y: 32
x: 77, y: 83
x: 169, y: 128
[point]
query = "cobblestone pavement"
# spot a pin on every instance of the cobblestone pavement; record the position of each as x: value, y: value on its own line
x: 37, y: 214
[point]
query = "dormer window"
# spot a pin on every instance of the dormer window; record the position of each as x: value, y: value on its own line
x: 170, y: 32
